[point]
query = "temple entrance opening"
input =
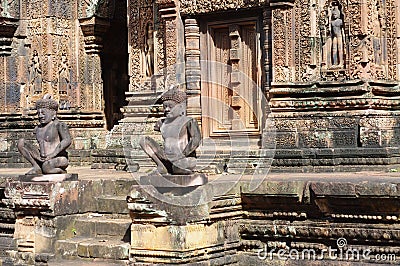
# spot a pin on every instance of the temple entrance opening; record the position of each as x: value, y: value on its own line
x: 115, y: 65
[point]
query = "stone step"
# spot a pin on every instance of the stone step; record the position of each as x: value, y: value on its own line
x: 86, y: 262
x: 104, y: 247
x: 94, y: 225
x: 112, y: 204
x: 118, y: 187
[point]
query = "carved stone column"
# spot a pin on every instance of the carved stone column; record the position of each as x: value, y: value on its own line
x: 94, y: 22
x: 267, y: 49
x: 193, y: 74
x: 9, y: 91
x: 93, y: 29
x: 397, y: 12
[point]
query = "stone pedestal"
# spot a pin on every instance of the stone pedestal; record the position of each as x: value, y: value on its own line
x: 176, y: 185
x: 187, y: 227
x: 38, y: 205
x: 174, y: 181
x: 48, y: 178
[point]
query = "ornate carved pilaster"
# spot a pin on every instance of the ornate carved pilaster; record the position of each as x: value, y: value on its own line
x: 93, y: 29
x: 267, y: 14
x: 193, y: 71
x: 94, y: 17
x: 392, y: 15
x: 168, y: 13
x: 284, y: 65
x: 397, y: 12
x: 9, y: 22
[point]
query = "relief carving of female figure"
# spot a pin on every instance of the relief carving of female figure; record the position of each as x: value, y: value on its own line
x: 149, y: 51
x: 337, y: 34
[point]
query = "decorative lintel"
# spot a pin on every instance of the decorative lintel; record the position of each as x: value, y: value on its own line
x: 282, y: 3
x: 168, y: 9
x: 8, y: 26
x: 93, y: 29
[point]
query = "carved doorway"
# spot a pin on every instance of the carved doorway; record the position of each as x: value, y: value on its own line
x: 233, y: 56
x: 114, y: 62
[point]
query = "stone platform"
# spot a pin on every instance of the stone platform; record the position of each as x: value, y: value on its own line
x: 174, y: 181
x: 48, y: 178
x: 106, y: 218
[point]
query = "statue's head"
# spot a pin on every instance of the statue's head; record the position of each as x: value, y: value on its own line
x: 335, y: 12
x: 47, y: 109
x: 174, y: 102
x: 150, y: 30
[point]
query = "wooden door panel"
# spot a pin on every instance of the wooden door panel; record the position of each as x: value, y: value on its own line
x: 237, y: 54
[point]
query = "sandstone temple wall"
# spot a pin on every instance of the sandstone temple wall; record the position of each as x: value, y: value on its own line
x: 329, y: 71
x: 56, y: 47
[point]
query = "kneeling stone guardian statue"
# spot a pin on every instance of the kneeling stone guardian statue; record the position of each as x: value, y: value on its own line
x: 53, y: 138
x: 181, y: 135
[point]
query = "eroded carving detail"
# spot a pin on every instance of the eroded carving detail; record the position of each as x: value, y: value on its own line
x: 393, y: 33
x: 143, y: 43
x: 35, y: 74
x: 100, y: 8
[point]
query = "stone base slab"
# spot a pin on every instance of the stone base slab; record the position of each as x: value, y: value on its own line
x: 48, y: 178
x: 174, y: 181
x: 183, y: 244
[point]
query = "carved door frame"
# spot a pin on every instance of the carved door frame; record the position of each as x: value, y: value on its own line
x: 206, y: 44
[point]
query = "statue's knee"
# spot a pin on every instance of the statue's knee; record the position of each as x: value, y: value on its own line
x: 144, y: 141
x: 63, y: 162
x: 54, y: 165
x: 47, y: 167
x: 21, y: 144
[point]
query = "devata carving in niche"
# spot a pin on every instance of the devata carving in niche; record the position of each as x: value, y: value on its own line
x: 63, y: 81
x: 337, y: 35
x: 378, y: 26
x: 313, y: 26
x: 35, y: 74
x: 332, y: 36
x: 149, y: 51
